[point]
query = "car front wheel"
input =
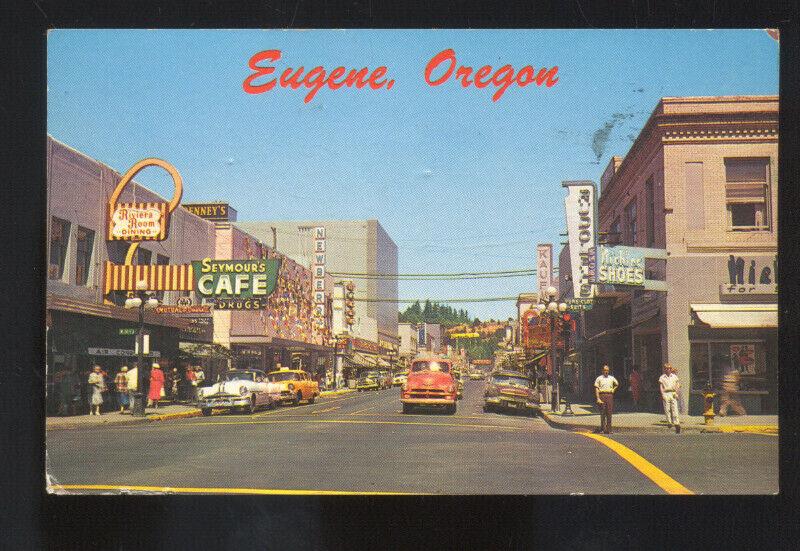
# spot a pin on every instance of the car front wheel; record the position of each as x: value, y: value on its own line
x: 406, y: 408
x: 298, y: 398
x: 206, y: 412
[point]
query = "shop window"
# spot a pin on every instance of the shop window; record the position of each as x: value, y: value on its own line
x: 83, y: 255
x: 747, y: 193
x: 59, y: 238
x: 630, y: 222
x: 710, y: 361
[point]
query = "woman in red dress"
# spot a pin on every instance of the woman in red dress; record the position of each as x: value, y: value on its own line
x: 156, y: 386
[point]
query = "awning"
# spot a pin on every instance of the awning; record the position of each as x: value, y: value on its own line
x: 736, y: 316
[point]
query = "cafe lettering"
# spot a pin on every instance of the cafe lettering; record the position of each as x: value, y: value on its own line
x: 236, y: 284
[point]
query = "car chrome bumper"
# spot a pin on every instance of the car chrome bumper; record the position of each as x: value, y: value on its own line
x: 428, y: 401
x: 510, y: 403
x: 221, y: 402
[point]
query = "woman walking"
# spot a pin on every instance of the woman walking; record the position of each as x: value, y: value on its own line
x: 97, y: 385
x: 121, y: 382
x: 156, y: 386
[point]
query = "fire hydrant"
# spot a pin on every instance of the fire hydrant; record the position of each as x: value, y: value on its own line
x: 708, y: 411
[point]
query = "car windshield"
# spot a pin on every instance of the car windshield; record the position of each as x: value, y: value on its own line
x: 240, y: 376
x: 510, y: 380
x: 369, y: 375
x: 288, y: 376
x: 443, y: 367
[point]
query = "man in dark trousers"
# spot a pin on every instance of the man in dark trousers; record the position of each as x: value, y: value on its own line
x: 604, y: 387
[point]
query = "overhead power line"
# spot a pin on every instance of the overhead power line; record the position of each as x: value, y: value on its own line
x: 378, y: 274
x: 438, y: 300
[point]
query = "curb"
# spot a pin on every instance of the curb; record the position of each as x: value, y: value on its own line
x: 753, y: 429
x: 179, y: 415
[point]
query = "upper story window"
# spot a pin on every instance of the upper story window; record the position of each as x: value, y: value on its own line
x: 630, y: 222
x: 614, y: 235
x: 59, y: 238
x: 143, y: 256
x: 747, y: 193
x: 83, y: 255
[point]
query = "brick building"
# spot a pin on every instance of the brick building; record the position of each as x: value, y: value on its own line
x: 701, y: 181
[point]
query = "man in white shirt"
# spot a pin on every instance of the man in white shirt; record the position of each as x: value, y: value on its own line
x: 604, y: 387
x: 670, y: 385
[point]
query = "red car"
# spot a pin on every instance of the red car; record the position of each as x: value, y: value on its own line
x: 430, y: 384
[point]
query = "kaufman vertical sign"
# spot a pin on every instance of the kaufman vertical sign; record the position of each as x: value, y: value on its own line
x: 544, y: 266
x: 581, y: 211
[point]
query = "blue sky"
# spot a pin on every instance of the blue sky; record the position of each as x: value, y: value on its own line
x: 461, y: 183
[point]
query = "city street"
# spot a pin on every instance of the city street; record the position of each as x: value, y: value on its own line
x: 361, y: 442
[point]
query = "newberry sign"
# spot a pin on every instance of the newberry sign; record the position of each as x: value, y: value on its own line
x: 236, y: 284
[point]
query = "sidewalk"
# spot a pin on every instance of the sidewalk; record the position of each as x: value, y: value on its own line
x: 165, y: 412
x: 587, y: 417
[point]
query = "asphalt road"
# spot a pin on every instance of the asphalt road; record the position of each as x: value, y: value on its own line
x: 361, y: 442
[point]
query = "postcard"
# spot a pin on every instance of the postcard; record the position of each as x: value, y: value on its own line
x: 382, y: 262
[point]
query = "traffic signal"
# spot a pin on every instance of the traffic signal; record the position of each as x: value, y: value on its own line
x: 349, y: 303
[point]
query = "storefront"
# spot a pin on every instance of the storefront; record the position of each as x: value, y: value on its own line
x: 735, y: 338
x: 81, y: 335
x: 275, y: 353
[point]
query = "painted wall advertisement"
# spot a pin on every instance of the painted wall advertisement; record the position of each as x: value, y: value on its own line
x: 581, y: 211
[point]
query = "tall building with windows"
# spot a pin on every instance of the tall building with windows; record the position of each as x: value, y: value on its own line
x: 351, y: 246
x: 701, y: 181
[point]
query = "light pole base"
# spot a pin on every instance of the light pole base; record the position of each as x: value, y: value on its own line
x: 137, y: 409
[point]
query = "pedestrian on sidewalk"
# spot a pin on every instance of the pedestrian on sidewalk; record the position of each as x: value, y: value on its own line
x: 636, y: 387
x: 156, y: 386
x: 604, y: 387
x: 97, y: 384
x: 199, y: 377
x: 121, y: 382
x: 730, y: 394
x: 174, y: 380
x: 670, y: 385
x: 190, y: 385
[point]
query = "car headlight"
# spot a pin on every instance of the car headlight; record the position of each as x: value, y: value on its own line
x: 242, y: 390
x: 452, y: 388
x: 404, y: 388
x: 290, y: 386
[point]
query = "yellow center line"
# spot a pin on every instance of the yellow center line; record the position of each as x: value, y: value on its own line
x: 192, y: 490
x: 285, y: 409
x: 659, y: 477
x: 356, y: 422
x: 359, y: 412
x: 317, y: 412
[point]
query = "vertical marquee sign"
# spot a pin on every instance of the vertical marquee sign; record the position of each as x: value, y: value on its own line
x: 318, y: 283
x: 581, y: 207
x: 544, y: 266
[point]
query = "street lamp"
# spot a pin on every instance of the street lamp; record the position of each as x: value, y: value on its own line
x: 143, y: 301
x: 550, y: 306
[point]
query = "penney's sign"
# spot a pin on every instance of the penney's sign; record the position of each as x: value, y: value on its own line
x: 236, y: 284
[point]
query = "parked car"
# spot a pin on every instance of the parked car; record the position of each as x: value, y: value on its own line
x: 400, y: 378
x: 510, y: 391
x: 476, y: 375
x: 430, y: 384
x: 369, y: 380
x: 295, y: 385
x: 239, y: 389
x: 385, y: 378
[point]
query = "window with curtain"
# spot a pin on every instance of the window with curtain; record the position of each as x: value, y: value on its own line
x: 83, y: 255
x: 59, y: 239
x: 747, y: 193
x: 630, y: 222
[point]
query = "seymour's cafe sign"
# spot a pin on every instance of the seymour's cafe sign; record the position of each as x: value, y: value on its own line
x: 228, y: 284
